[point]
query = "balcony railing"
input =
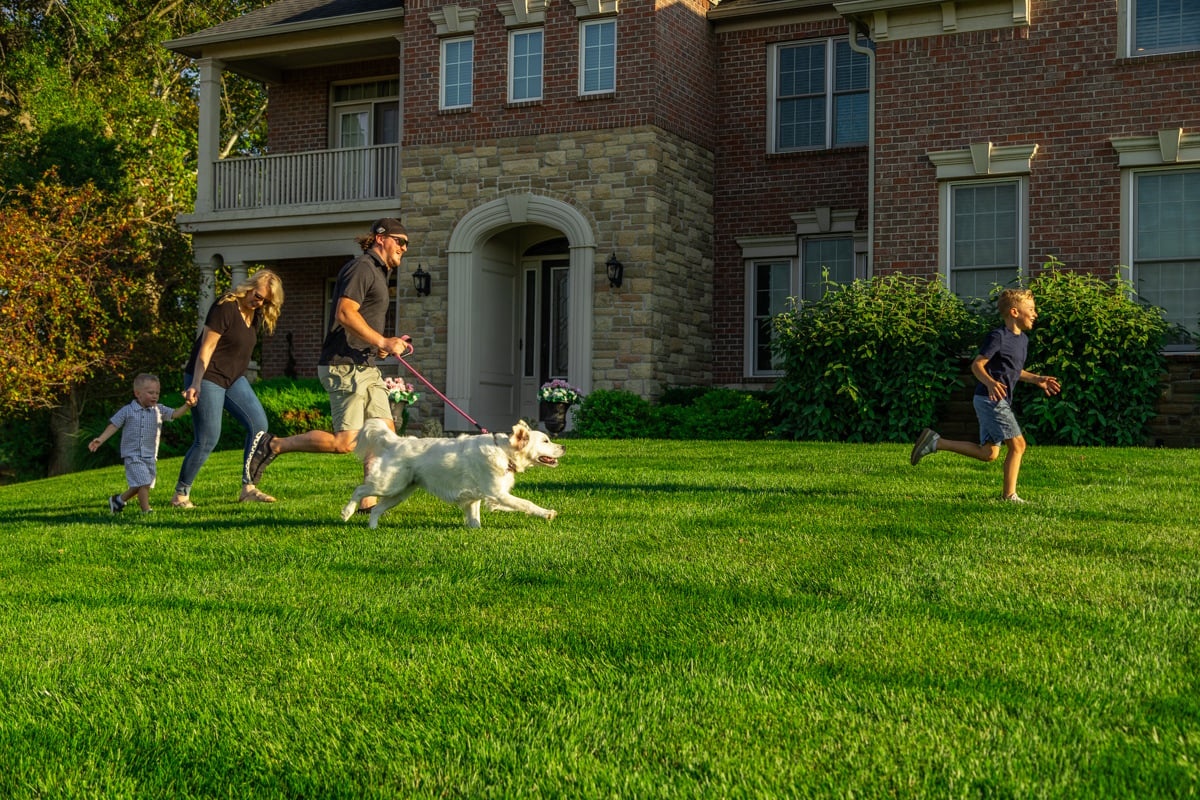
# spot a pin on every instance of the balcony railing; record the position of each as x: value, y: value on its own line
x: 324, y: 176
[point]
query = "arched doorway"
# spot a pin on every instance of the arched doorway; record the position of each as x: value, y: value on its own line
x: 492, y: 254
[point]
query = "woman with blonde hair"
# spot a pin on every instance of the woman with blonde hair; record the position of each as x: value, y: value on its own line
x: 215, y: 376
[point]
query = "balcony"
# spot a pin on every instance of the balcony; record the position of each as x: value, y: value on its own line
x: 310, y: 179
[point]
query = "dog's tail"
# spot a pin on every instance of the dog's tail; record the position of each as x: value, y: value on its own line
x: 372, y: 439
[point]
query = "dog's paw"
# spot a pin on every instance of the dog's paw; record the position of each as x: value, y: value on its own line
x: 551, y: 515
x: 348, y: 511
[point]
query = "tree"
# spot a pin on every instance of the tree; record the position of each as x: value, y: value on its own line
x: 98, y: 126
x: 82, y: 298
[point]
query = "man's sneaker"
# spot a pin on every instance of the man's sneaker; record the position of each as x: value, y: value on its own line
x: 926, y: 444
x: 260, y: 456
x: 1013, y: 498
x: 115, y: 504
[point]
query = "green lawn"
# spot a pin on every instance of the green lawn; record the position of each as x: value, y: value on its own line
x: 702, y: 620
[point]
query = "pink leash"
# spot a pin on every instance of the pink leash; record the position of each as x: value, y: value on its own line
x: 447, y: 400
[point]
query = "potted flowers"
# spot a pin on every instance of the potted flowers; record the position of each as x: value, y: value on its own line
x: 555, y: 399
x: 402, y: 395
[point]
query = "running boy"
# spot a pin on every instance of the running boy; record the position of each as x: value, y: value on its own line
x: 998, y: 367
x: 142, y: 421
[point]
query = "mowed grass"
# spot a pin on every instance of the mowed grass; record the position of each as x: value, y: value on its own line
x: 701, y: 620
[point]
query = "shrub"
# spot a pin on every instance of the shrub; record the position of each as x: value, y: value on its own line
x: 1106, y: 350
x: 692, y: 413
x: 871, y: 360
x: 612, y: 414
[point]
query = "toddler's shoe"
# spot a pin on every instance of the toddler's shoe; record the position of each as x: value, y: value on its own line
x: 115, y: 504
x: 1014, y: 499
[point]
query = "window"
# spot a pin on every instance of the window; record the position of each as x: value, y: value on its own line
x: 819, y: 96
x: 771, y: 287
x: 1166, y: 266
x: 985, y: 237
x: 598, y: 56
x: 458, y: 59
x: 1164, y: 26
x: 525, y: 65
x: 365, y: 113
x: 835, y: 256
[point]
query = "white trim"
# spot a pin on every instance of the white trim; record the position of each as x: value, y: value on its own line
x: 983, y: 159
x: 1169, y: 146
x: 451, y: 20
x: 467, y: 238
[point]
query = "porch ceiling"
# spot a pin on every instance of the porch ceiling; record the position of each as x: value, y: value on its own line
x: 299, y: 34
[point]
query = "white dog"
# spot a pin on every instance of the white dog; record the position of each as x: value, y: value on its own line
x: 466, y: 471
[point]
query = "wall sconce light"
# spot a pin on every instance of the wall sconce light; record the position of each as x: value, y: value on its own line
x: 422, y: 281
x: 615, y: 271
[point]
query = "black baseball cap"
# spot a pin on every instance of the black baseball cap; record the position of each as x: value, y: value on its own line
x: 388, y: 226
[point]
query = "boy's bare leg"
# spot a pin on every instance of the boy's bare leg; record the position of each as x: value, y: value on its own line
x: 1012, y: 464
x: 981, y: 452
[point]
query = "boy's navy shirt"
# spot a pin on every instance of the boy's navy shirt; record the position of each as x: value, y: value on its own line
x: 1005, y: 352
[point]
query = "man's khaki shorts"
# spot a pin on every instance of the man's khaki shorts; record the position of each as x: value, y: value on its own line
x: 356, y: 394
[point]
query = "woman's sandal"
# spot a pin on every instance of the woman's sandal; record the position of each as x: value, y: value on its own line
x: 184, y: 503
x: 255, y: 496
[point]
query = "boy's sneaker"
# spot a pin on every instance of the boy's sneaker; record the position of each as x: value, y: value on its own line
x: 260, y: 456
x: 115, y: 504
x: 926, y: 444
x: 1013, y: 498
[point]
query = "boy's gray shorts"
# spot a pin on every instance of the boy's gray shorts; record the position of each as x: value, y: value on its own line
x: 997, y: 423
x: 140, y: 473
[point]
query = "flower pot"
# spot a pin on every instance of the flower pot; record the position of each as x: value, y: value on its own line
x: 553, y: 415
x: 403, y: 415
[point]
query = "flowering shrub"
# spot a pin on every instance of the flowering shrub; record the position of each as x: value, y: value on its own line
x: 401, y: 392
x: 559, y: 391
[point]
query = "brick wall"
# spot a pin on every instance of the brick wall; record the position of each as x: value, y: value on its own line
x: 1057, y: 84
x: 758, y: 192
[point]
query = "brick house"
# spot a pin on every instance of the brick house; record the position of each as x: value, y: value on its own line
x: 723, y: 154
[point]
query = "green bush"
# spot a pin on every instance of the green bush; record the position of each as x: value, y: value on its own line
x: 1106, y: 350
x: 685, y: 413
x: 612, y: 414
x: 870, y: 361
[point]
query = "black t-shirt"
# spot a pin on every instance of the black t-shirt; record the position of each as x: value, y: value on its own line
x: 363, y: 280
x: 232, y: 353
x: 1005, y: 352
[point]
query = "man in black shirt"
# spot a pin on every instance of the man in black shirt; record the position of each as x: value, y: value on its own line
x: 347, y: 364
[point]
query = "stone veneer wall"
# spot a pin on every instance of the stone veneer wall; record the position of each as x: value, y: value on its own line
x: 648, y: 196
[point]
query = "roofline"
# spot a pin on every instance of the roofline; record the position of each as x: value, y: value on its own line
x: 734, y: 11
x: 196, y: 41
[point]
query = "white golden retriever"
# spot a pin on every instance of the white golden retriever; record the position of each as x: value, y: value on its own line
x: 466, y: 471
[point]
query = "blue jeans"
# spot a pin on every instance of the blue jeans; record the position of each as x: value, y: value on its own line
x: 242, y: 403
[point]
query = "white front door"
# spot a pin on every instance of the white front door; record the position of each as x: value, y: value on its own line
x: 497, y: 346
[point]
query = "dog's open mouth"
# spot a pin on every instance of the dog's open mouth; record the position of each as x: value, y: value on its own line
x: 549, y: 461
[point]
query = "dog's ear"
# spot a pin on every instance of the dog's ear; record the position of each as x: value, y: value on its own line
x: 520, y: 435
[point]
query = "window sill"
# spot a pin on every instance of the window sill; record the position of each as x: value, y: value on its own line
x: 820, y: 151
x: 447, y: 112
x: 583, y: 98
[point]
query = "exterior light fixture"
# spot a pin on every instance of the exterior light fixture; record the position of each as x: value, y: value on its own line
x: 615, y: 271
x: 422, y: 281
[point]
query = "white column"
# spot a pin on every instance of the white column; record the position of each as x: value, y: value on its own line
x: 209, y: 134
x: 237, y: 275
x: 208, y: 292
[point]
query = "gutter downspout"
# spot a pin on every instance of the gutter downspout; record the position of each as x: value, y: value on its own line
x: 869, y: 52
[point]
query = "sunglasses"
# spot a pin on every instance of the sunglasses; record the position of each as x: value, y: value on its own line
x: 400, y: 240
x: 261, y: 299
